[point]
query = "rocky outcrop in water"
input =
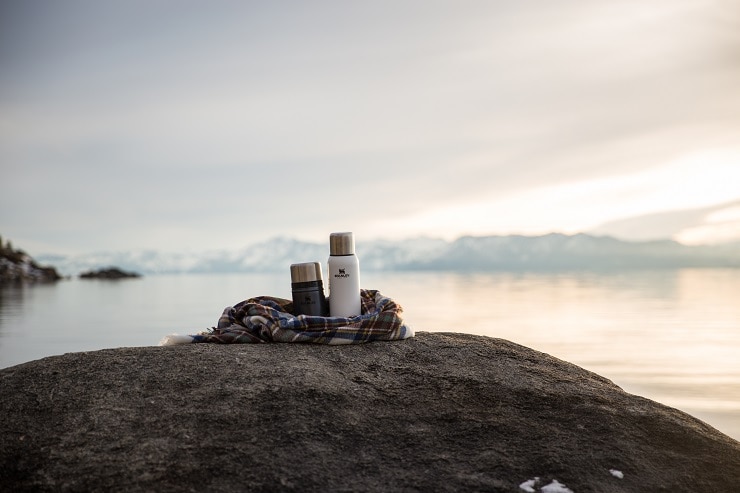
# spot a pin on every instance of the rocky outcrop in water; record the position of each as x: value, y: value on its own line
x: 109, y: 273
x: 439, y: 412
x: 18, y: 266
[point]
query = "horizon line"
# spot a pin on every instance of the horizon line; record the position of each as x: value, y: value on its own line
x: 400, y: 240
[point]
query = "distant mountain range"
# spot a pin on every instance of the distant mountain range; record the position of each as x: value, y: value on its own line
x: 549, y: 252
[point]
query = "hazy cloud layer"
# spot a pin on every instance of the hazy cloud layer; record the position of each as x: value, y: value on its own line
x: 155, y: 124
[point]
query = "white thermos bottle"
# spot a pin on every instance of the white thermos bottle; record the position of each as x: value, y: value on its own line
x: 343, y: 276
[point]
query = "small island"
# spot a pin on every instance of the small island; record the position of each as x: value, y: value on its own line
x: 109, y: 273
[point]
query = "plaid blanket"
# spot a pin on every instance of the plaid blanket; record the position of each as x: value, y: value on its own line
x: 269, y: 319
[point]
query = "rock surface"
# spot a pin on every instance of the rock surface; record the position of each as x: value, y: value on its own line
x: 440, y: 412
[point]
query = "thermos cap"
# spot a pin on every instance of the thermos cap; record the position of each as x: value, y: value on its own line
x: 342, y: 244
x: 305, y: 272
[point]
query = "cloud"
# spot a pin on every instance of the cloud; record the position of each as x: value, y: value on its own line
x: 136, y: 118
x: 693, y: 181
x: 714, y: 224
x: 718, y: 225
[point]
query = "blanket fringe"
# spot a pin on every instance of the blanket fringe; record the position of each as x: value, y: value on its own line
x: 175, y: 339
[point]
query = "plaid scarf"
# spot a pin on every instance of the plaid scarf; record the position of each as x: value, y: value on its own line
x: 269, y: 319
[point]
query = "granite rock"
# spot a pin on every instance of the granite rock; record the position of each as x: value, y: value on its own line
x: 439, y: 412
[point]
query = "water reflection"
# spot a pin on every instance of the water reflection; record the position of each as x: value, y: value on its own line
x: 17, y: 300
x: 11, y: 300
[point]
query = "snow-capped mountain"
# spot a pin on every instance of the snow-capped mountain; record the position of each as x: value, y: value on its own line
x: 547, y: 252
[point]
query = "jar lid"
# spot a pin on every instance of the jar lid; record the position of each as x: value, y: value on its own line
x: 305, y: 272
x: 342, y: 243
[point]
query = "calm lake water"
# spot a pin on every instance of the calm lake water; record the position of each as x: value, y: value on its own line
x: 671, y: 336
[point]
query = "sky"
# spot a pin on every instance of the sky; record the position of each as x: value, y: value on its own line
x: 201, y: 125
